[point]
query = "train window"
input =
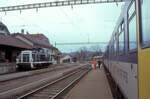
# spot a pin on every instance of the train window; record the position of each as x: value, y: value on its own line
x: 121, y: 38
x: 145, y: 14
x: 42, y: 57
x: 25, y: 57
x: 131, y: 9
x: 132, y: 27
x: 121, y: 42
x: 115, y: 44
x: 119, y: 29
x: 2, y: 28
x: 132, y: 34
x: 110, y: 50
x: 115, y: 48
x: 107, y: 51
x: 34, y: 57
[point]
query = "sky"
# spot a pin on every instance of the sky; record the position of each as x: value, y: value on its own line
x: 80, y: 23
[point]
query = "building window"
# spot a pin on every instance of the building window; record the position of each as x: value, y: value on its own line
x: 132, y: 27
x: 121, y: 37
x: 145, y: 18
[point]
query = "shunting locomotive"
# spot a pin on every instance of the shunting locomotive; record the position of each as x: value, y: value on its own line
x: 33, y: 59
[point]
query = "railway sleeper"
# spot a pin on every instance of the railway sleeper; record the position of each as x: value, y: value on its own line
x: 40, y: 95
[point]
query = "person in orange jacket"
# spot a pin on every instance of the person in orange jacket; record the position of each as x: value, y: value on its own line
x: 94, y: 62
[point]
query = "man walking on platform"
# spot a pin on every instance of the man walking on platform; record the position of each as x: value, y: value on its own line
x: 99, y: 64
x: 94, y: 63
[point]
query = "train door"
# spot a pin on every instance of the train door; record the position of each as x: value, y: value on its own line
x: 143, y: 48
x: 109, y: 58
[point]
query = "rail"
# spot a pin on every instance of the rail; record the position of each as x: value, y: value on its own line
x: 73, y: 77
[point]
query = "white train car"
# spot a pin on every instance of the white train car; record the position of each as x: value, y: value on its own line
x: 33, y: 60
x: 121, y: 58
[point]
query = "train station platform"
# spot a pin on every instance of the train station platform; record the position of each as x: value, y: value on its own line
x: 93, y: 86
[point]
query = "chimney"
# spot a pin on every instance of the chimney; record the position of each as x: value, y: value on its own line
x: 27, y: 32
x: 22, y: 31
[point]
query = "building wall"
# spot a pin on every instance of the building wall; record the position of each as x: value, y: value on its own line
x: 2, y: 56
x: 53, y: 55
x: 7, y: 68
x: 8, y: 54
x: 66, y: 59
x: 15, y: 53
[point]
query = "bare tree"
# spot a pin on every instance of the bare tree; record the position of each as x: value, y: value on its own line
x: 84, y: 53
x: 96, y: 49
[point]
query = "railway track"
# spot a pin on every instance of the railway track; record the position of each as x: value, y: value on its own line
x: 56, y: 88
x: 22, y: 74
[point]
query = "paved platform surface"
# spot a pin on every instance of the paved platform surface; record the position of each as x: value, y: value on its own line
x: 93, y: 86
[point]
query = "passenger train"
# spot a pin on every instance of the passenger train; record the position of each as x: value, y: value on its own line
x: 33, y: 59
x: 127, y: 56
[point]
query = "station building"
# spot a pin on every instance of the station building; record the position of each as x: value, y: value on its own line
x: 67, y: 59
x: 40, y: 42
x: 10, y: 47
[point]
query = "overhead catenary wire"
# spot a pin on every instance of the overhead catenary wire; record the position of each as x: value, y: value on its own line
x: 55, y: 4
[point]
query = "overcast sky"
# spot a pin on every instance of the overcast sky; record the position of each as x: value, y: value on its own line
x: 80, y: 23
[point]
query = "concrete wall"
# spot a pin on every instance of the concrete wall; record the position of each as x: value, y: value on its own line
x: 7, y: 68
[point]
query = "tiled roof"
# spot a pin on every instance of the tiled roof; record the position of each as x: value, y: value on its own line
x: 14, y: 42
x: 4, y: 28
x: 38, y: 39
x: 56, y: 50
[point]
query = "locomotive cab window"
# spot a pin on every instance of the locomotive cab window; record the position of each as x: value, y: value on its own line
x: 145, y: 14
x: 121, y: 38
x: 132, y: 36
x: 25, y: 57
